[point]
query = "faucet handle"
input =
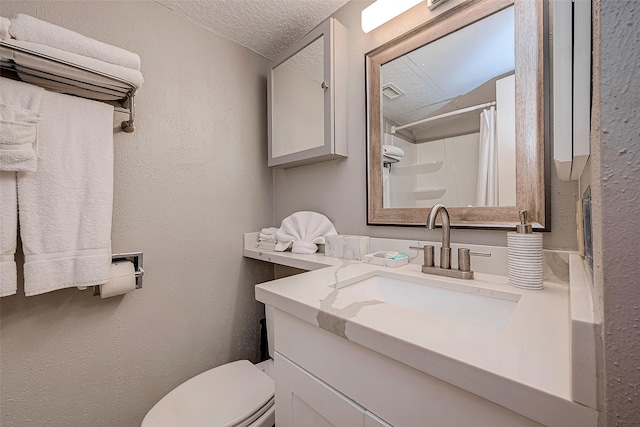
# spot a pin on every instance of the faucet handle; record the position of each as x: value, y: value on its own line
x: 428, y: 254
x: 464, y: 258
x: 482, y: 254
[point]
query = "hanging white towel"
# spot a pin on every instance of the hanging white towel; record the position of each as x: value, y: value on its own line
x: 386, y: 188
x: 303, y: 231
x: 66, y: 207
x: 19, y: 116
x: 4, y: 28
x: 127, y: 74
x: 19, y: 106
x: 30, y: 29
x: 487, y: 188
x: 8, y: 233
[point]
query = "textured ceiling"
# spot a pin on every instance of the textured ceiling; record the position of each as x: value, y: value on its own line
x: 452, y: 72
x: 267, y: 27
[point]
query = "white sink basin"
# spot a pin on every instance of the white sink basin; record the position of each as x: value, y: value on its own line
x: 481, y: 307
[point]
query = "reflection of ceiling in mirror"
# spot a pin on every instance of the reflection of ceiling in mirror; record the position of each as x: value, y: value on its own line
x: 309, y: 61
x: 453, y: 72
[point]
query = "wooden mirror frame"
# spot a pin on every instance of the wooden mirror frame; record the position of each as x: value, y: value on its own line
x: 531, y: 68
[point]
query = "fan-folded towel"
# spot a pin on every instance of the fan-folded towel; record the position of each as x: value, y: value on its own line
x: 30, y: 29
x: 303, y: 231
x: 66, y: 207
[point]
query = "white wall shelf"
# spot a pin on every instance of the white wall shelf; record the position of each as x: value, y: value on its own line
x: 428, y: 193
x: 426, y: 167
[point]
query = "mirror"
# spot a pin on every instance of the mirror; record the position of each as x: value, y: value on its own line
x: 456, y: 116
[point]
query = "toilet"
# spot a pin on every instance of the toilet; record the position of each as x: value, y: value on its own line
x: 238, y: 394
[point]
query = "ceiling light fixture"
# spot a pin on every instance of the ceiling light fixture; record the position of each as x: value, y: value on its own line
x: 382, y: 11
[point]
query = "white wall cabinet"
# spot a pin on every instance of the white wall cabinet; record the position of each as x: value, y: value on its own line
x: 571, y: 33
x: 307, y: 99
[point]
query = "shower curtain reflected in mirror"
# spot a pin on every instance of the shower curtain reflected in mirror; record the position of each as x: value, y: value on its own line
x: 487, y: 190
x: 386, y: 187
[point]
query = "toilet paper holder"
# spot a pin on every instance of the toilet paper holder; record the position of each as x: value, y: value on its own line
x: 136, y: 259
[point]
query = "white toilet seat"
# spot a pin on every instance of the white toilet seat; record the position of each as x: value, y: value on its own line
x: 233, y: 395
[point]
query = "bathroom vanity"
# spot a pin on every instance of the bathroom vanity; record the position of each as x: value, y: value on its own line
x: 359, y: 344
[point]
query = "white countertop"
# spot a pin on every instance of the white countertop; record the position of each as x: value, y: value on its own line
x: 525, y: 367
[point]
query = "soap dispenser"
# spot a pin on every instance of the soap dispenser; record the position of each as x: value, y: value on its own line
x: 525, y: 258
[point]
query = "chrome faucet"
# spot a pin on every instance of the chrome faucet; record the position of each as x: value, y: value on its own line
x: 445, y: 251
x: 464, y: 262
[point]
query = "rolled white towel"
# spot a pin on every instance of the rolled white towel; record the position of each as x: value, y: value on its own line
x: 27, y: 28
x: 303, y: 231
x: 392, y: 150
x: 4, y: 28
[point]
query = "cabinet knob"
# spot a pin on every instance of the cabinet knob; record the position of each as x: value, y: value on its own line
x: 324, y: 86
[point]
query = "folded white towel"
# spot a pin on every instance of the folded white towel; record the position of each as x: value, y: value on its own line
x: 19, y: 107
x: 127, y: 74
x: 270, y: 238
x: 271, y: 246
x: 4, y: 28
x: 392, y: 150
x: 269, y: 230
x: 30, y: 29
x: 8, y: 233
x: 303, y: 231
x: 65, y: 208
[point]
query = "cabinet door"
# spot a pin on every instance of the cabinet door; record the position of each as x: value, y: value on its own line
x: 307, y: 99
x: 304, y: 400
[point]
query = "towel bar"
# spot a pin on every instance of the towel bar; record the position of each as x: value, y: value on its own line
x: 127, y: 125
x: 126, y: 102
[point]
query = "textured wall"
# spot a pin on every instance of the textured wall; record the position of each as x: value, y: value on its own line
x: 338, y: 188
x: 188, y: 183
x: 615, y: 173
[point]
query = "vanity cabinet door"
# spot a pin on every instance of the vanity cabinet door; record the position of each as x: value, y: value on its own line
x: 307, y: 99
x: 304, y: 400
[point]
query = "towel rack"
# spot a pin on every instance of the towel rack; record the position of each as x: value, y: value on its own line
x: 93, y: 90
